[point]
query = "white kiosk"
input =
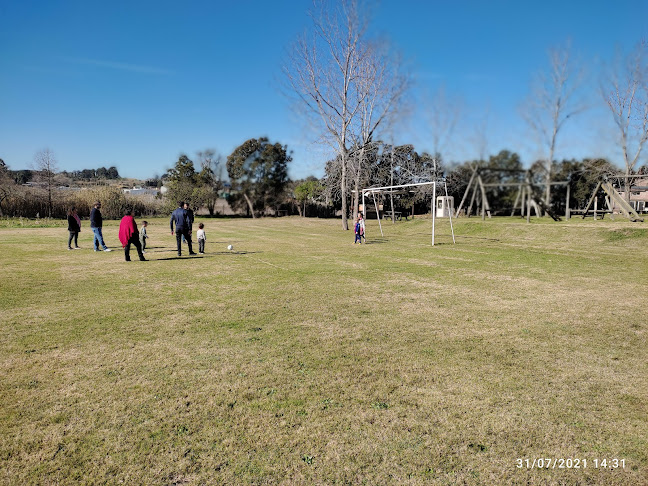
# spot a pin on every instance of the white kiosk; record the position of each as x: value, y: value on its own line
x: 444, y: 206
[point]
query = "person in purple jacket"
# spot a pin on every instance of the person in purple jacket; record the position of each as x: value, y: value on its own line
x: 74, y: 226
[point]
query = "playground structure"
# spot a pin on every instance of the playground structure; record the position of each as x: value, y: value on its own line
x: 614, y: 201
x: 526, y: 199
x: 373, y: 191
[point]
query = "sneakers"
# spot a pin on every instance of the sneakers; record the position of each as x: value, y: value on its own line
x: 193, y: 253
x: 107, y: 249
x: 77, y: 248
x: 69, y: 247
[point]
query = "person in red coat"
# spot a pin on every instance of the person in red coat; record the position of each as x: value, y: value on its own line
x: 128, y: 234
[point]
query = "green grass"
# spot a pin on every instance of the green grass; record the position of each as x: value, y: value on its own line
x: 300, y: 358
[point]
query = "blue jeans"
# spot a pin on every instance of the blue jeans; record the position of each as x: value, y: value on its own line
x: 98, y: 239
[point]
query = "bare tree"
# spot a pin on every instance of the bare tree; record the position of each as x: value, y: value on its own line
x: 444, y: 113
x: 333, y: 73
x: 626, y: 94
x: 479, y: 135
x: 552, y: 102
x: 46, y: 165
x: 382, y: 84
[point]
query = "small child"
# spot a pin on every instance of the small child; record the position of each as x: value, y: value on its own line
x: 143, y: 236
x: 201, y: 238
x: 358, y: 229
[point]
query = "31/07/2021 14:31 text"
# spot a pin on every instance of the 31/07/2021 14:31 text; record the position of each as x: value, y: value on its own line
x: 569, y: 463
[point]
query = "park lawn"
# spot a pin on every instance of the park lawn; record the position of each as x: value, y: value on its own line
x: 300, y: 358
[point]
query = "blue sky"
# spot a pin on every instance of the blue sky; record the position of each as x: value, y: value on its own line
x: 135, y: 84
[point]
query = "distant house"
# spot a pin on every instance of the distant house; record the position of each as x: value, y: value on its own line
x: 141, y: 191
x: 638, y: 195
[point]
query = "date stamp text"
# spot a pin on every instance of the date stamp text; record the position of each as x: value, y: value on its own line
x: 569, y: 463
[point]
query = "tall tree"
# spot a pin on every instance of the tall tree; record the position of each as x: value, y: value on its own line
x: 309, y: 190
x: 258, y: 170
x: 382, y: 84
x: 626, y: 95
x: 112, y: 172
x: 323, y: 71
x: 553, y: 100
x: 46, y: 165
x: 182, y: 180
x: 210, y: 177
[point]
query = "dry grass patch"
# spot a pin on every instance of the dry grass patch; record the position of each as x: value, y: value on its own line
x: 299, y: 358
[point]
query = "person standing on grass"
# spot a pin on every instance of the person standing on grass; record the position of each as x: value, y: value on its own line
x: 74, y: 227
x: 128, y: 234
x: 143, y: 236
x: 96, y: 222
x: 362, y: 226
x: 190, y: 219
x: 358, y: 237
x: 359, y: 229
x: 201, y: 238
x: 179, y: 217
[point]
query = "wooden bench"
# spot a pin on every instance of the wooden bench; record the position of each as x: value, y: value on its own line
x: 388, y: 215
x: 397, y: 215
x: 600, y: 213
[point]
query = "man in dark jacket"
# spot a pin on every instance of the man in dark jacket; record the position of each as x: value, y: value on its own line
x: 179, y: 217
x: 96, y: 222
x: 190, y: 219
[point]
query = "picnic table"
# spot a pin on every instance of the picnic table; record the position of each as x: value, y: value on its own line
x: 397, y: 215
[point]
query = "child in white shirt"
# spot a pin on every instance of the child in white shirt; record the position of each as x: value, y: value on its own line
x: 143, y: 236
x: 201, y: 238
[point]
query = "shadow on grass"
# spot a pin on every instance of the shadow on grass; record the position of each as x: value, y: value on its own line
x: 186, y: 257
x: 457, y: 237
x: 204, y: 255
x: 376, y: 241
x: 234, y: 252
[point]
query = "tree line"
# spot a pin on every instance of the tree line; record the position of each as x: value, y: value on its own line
x: 27, y: 175
x: 257, y: 183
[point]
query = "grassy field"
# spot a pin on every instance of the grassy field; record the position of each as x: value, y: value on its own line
x: 300, y: 358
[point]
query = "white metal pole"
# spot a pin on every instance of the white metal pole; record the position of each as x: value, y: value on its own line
x: 364, y: 213
x: 433, y: 210
x: 449, y: 212
x: 377, y: 212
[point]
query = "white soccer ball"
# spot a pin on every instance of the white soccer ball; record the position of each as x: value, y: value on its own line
x: 230, y: 247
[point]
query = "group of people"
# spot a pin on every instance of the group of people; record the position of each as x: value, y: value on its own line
x: 182, y: 217
x: 96, y: 223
